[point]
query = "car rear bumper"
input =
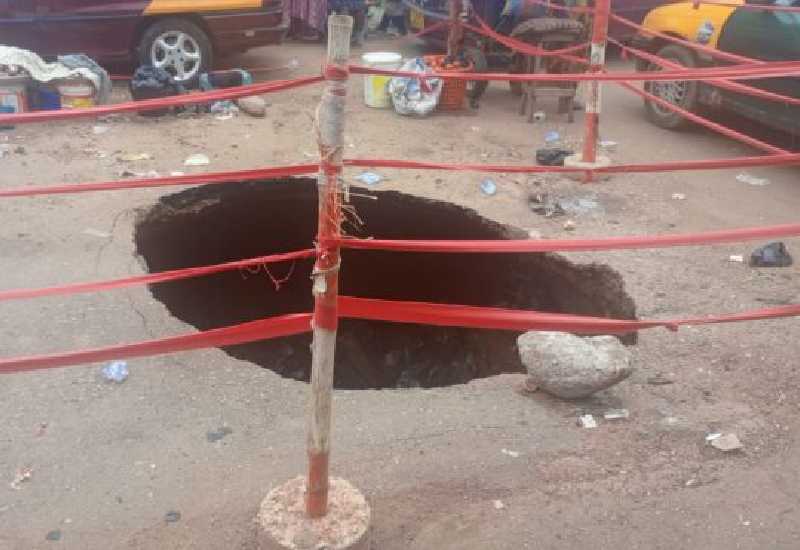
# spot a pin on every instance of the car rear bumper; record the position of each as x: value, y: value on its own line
x: 238, y: 31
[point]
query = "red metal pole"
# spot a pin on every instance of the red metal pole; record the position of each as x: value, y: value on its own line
x: 596, y: 64
x: 330, y: 125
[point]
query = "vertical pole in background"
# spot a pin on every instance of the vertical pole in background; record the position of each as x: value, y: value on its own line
x: 330, y: 126
x: 596, y: 64
x: 456, y: 34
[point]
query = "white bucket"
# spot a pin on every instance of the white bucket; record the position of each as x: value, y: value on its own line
x: 375, y: 93
x: 77, y: 94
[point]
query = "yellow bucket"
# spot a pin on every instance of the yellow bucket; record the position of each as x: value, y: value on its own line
x: 77, y: 94
x: 375, y: 86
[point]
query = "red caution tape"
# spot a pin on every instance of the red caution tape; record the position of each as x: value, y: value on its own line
x: 733, y: 86
x: 166, y: 181
x: 449, y: 315
x: 153, y: 278
x: 160, y: 103
x: 254, y: 331
x: 734, y: 72
x: 675, y: 166
x: 576, y: 245
x: 719, y: 54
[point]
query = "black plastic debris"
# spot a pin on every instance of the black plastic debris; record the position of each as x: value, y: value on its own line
x: 552, y: 156
x: 771, y: 255
x: 150, y: 82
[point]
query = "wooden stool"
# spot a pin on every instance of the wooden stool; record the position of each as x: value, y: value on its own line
x: 532, y: 91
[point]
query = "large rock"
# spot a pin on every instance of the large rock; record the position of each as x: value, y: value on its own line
x: 253, y: 105
x: 570, y: 366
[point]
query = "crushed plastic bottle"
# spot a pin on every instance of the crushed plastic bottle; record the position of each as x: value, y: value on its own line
x: 488, y: 187
x: 369, y: 178
x: 116, y: 371
x: 552, y: 137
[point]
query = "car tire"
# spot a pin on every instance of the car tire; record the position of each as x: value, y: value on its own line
x: 476, y: 88
x: 684, y: 93
x: 179, y: 46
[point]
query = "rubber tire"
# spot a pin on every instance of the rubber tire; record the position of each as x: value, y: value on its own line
x: 476, y: 88
x: 177, y: 24
x: 535, y: 28
x: 674, y: 121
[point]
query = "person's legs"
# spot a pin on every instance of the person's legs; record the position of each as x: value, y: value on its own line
x: 400, y: 23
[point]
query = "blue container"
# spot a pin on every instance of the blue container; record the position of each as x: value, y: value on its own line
x: 6, y: 110
x: 46, y: 99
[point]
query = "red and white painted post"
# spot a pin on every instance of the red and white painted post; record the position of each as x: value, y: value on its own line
x: 590, y: 159
x: 597, y: 61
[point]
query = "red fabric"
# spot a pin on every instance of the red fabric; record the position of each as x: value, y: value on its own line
x: 166, y: 181
x: 576, y: 245
x: 149, y: 104
x: 517, y: 320
x: 153, y: 278
x: 264, y: 329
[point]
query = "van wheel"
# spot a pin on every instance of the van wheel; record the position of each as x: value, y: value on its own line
x: 179, y: 47
x: 681, y: 93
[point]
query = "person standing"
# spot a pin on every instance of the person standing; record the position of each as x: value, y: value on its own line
x: 394, y: 13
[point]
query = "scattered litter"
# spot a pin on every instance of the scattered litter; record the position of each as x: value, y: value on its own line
x: 752, y: 180
x: 542, y: 204
x: 96, y: 233
x: 134, y: 157
x: 498, y: 504
x: 616, y: 414
x: 197, y: 159
x: 475, y: 128
x: 100, y: 129
x: 678, y: 197
x: 40, y: 431
x: 552, y: 137
x: 369, y: 178
x: 736, y: 258
x: 569, y: 225
x: 150, y: 174
x: 21, y: 476
x: 53, y: 535
x: 512, y: 454
x: 552, y: 156
x: 587, y: 421
x: 224, y: 110
x: 293, y: 63
x: 172, y: 516
x: 608, y: 145
x: 219, y: 434
x: 20, y: 150
x: 659, y: 380
x: 534, y: 234
x: 4, y: 149
x: 488, y: 187
x: 773, y: 254
x: 177, y: 173
x: 712, y: 436
x: 116, y: 371
x: 539, y: 116
x: 726, y: 442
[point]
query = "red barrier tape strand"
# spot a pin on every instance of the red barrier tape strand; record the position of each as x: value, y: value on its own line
x: 676, y: 166
x: 719, y: 54
x: 276, y: 327
x: 576, y: 245
x: 719, y: 128
x: 777, y: 69
x: 153, y: 278
x: 160, y: 103
x: 733, y: 86
x: 167, y: 181
x: 379, y: 310
x: 516, y: 320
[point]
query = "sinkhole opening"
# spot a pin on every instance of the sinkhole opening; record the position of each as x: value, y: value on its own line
x: 220, y: 223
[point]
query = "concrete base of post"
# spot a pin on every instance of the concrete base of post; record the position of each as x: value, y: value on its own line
x: 575, y: 161
x: 282, y: 523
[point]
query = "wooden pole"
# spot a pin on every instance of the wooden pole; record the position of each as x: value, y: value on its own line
x: 596, y: 64
x: 455, y: 37
x: 330, y: 126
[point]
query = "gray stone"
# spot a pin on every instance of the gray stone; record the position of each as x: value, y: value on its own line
x: 253, y: 105
x: 572, y: 367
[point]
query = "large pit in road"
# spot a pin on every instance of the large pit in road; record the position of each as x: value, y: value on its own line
x: 220, y: 223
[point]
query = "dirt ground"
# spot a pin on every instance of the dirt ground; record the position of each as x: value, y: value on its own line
x: 181, y: 454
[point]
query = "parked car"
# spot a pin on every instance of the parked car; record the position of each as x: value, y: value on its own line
x: 759, y: 34
x: 181, y: 36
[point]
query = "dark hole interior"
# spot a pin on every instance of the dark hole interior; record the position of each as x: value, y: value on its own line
x: 219, y: 223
